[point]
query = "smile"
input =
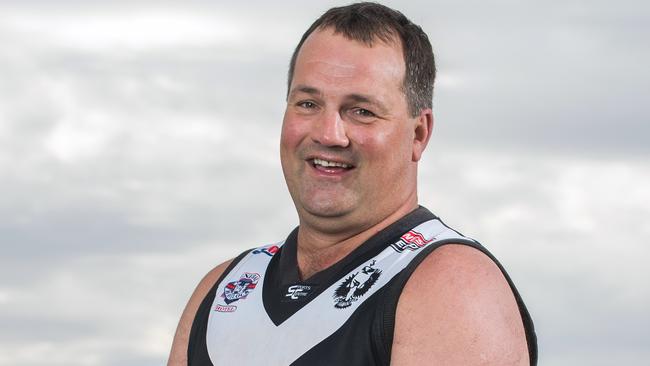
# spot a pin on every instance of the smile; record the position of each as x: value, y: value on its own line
x: 327, y: 164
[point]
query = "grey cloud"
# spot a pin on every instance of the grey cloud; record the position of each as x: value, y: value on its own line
x: 32, y: 328
x: 567, y: 231
x: 542, y: 76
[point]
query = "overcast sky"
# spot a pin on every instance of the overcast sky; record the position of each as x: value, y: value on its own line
x: 139, y: 148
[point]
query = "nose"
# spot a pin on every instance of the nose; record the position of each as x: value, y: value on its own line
x: 329, y: 130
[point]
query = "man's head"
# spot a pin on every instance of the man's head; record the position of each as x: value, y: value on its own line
x: 351, y: 137
x: 370, y: 22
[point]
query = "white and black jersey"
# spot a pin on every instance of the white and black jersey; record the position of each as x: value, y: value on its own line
x: 260, y: 312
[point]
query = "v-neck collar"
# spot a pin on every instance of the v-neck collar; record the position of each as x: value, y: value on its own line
x: 283, y: 273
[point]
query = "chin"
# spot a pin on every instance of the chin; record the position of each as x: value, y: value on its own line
x: 327, y: 209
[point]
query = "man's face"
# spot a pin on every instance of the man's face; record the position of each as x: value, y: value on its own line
x: 347, y: 145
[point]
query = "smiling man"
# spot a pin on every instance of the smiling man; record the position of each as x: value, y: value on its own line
x: 368, y: 277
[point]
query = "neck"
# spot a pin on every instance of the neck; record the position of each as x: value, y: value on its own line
x: 318, y: 250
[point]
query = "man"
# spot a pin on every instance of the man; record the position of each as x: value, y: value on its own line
x: 358, y: 282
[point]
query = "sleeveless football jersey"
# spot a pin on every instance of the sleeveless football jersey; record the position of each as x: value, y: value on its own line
x: 259, y: 312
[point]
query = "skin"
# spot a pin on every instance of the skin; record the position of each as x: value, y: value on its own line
x: 457, y: 309
x: 346, y: 105
x: 178, y: 353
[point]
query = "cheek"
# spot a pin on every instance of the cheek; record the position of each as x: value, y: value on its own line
x: 369, y: 139
x: 291, y: 133
x: 384, y: 146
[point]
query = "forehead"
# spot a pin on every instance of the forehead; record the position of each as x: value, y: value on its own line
x: 333, y: 60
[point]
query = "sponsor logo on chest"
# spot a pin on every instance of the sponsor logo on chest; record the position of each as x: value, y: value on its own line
x: 297, y: 292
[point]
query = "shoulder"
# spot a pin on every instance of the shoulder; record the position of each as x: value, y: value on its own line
x: 178, y: 354
x: 458, y: 309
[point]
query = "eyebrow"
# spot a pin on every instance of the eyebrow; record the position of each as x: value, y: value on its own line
x: 357, y: 98
x: 305, y: 89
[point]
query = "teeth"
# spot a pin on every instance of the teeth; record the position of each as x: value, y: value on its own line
x: 326, y: 163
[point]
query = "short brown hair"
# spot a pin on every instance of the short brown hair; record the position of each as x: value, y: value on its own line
x: 366, y: 22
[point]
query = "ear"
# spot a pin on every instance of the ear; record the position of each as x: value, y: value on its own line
x: 423, y: 129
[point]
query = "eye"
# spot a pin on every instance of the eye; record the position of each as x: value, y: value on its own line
x: 362, y: 115
x: 363, y: 112
x: 307, y: 104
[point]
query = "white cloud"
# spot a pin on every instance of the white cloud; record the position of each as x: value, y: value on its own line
x: 123, y: 28
x: 5, y: 297
x: 80, y: 139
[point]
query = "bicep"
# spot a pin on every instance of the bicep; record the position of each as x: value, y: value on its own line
x: 458, y: 309
x: 178, y: 354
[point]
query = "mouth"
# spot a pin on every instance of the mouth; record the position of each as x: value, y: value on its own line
x: 330, y: 167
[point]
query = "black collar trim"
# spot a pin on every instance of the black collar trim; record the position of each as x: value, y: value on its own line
x: 283, y: 268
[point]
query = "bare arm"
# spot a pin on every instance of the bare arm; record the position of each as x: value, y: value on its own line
x: 458, y: 309
x: 178, y: 354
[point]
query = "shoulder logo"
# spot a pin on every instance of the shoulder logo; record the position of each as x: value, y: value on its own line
x: 270, y: 250
x: 355, y: 286
x: 412, y: 240
x: 238, y: 290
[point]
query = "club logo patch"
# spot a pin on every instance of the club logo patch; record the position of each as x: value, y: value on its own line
x: 297, y: 292
x: 238, y: 290
x: 270, y: 250
x: 355, y: 286
x: 412, y: 240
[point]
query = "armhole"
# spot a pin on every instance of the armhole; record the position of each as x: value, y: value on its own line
x: 197, y: 349
x: 388, y: 307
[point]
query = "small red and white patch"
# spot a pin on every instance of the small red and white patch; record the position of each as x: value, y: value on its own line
x: 412, y: 240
